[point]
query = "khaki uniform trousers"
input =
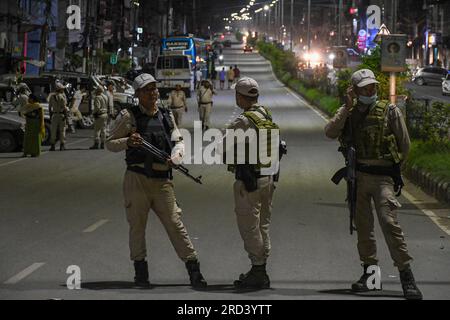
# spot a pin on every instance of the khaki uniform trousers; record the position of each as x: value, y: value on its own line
x: 142, y: 194
x: 178, y: 115
x: 381, y: 190
x: 205, y: 114
x: 253, y: 211
x: 100, y: 128
x: 58, y: 128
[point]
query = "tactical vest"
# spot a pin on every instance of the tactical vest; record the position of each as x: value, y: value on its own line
x: 371, y: 137
x: 156, y: 130
x: 261, y: 118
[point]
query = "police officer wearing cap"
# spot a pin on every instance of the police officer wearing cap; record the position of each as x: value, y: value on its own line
x: 147, y: 184
x: 378, y: 131
x: 59, y: 113
x: 101, y: 117
x: 253, y: 191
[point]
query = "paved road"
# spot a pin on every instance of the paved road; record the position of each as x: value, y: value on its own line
x: 67, y: 209
x: 433, y: 93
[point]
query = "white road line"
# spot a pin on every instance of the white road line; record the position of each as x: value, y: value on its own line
x: 43, y: 153
x: 308, y: 105
x: 95, y: 226
x: 430, y: 214
x: 25, y: 273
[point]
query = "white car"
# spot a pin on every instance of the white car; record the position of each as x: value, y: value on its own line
x: 446, y: 85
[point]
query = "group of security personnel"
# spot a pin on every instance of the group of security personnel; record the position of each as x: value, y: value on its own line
x: 377, y: 129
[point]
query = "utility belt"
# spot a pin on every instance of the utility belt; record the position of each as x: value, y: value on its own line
x: 206, y: 102
x: 247, y: 174
x: 154, y: 174
x: 176, y: 108
x: 393, y: 171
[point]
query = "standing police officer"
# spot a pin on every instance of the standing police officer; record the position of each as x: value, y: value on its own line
x: 59, y: 113
x: 378, y: 132
x: 253, y: 190
x: 101, y: 118
x: 147, y: 183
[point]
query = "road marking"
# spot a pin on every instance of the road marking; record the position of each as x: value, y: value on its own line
x: 308, y: 105
x: 25, y: 273
x: 430, y: 214
x: 95, y: 226
x: 43, y: 153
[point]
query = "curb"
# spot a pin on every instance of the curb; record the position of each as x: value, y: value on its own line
x: 434, y: 186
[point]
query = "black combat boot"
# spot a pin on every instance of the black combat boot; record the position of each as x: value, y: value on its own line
x: 52, y: 148
x: 62, y: 147
x: 256, y: 278
x: 196, y: 277
x: 102, y: 145
x: 94, y: 147
x: 361, y: 284
x: 410, y: 290
x: 141, y: 274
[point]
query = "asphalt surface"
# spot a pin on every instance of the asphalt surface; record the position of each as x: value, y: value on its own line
x: 66, y: 208
x: 433, y: 93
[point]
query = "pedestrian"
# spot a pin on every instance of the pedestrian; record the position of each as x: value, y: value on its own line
x: 222, y: 77
x: 101, y: 118
x: 198, y: 78
x: 214, y: 78
x: 59, y: 113
x: 34, y: 127
x: 253, y: 188
x: 378, y: 132
x: 230, y: 77
x: 147, y: 183
x: 237, y: 73
x: 177, y: 103
x: 205, y: 103
x: 110, y: 95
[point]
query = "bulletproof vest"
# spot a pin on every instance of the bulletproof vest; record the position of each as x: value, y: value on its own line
x: 261, y: 118
x: 157, y: 131
x: 370, y: 134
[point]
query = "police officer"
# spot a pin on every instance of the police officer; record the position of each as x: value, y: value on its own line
x: 147, y: 183
x: 59, y: 112
x: 177, y: 103
x: 253, y: 204
x: 205, y: 103
x: 378, y: 131
x: 101, y: 117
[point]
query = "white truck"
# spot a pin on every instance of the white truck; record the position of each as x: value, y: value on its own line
x: 173, y: 69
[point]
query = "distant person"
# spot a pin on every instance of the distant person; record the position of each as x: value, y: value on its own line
x: 198, y: 78
x: 230, y: 77
x: 34, y: 127
x: 214, y: 77
x: 177, y: 103
x: 101, y: 118
x: 77, y: 99
x: 237, y: 73
x: 21, y: 101
x: 222, y: 77
x: 110, y: 95
x: 205, y: 103
x: 57, y: 106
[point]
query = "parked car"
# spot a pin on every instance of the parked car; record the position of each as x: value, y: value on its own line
x: 446, y: 85
x: 429, y: 75
x: 11, y: 132
x: 248, y: 48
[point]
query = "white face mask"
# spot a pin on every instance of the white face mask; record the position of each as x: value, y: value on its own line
x: 368, y: 100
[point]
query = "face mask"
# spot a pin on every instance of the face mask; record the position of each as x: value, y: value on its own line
x: 368, y: 100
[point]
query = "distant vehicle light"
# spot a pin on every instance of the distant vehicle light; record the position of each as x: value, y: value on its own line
x: 332, y: 56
